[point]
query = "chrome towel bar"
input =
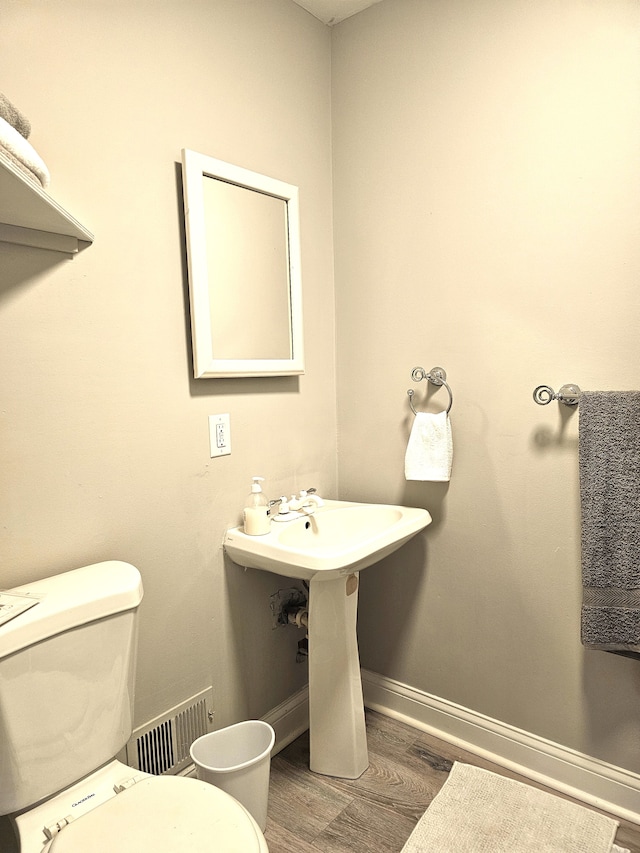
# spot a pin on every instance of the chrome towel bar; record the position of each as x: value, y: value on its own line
x: 569, y: 395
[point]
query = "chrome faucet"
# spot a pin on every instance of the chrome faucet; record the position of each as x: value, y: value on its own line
x: 307, y: 502
x: 294, y: 507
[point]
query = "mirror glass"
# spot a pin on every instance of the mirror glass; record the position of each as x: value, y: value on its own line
x: 243, y: 250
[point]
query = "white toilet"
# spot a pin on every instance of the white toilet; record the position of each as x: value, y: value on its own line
x: 66, y: 695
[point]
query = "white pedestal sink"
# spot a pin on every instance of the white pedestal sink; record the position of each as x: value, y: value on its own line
x: 328, y: 549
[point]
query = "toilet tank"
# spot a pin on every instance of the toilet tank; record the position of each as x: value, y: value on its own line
x: 67, y: 669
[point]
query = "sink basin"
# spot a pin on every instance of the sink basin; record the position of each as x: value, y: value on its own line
x: 339, y: 538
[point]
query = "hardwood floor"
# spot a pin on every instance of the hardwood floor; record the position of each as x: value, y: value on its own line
x: 375, y: 813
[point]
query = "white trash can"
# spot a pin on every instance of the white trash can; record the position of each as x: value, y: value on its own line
x: 238, y: 759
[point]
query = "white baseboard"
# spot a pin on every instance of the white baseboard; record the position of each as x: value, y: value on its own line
x: 289, y: 719
x: 590, y: 780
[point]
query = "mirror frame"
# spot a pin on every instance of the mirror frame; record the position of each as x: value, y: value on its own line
x: 194, y: 167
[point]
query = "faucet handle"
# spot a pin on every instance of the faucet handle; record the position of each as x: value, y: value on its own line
x: 284, y: 505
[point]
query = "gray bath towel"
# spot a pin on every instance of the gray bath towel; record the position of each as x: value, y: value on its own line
x: 609, y: 446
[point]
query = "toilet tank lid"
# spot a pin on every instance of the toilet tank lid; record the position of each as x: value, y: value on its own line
x: 69, y: 600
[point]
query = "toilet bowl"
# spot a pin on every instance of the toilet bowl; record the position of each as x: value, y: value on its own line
x: 61, y: 785
x: 163, y: 814
x: 119, y: 809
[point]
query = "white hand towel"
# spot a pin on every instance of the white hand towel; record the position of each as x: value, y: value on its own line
x: 430, y: 450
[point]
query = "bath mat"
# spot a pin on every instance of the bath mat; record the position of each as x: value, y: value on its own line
x: 479, y: 812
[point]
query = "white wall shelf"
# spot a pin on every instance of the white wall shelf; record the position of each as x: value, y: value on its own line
x: 30, y: 217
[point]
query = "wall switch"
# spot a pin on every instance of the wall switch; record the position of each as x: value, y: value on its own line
x: 219, y: 435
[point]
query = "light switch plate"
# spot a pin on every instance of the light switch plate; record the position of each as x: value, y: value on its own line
x: 219, y: 435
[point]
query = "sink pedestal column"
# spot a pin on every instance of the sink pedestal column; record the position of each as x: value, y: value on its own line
x: 336, y: 708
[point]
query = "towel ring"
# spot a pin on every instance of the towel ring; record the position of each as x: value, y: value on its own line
x: 437, y: 376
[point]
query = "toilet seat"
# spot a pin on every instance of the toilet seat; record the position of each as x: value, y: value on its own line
x: 164, y: 814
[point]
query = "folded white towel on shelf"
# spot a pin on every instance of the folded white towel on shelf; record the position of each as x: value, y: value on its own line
x: 4, y: 152
x: 430, y: 449
x: 13, y: 115
x: 23, y: 151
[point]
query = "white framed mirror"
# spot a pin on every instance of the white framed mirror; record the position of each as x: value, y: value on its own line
x: 243, y: 254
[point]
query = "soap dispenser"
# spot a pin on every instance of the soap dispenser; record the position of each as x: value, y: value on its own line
x: 256, y: 511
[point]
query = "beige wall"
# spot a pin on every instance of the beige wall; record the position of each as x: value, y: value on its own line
x: 104, y: 450
x: 486, y: 185
x: 486, y: 211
